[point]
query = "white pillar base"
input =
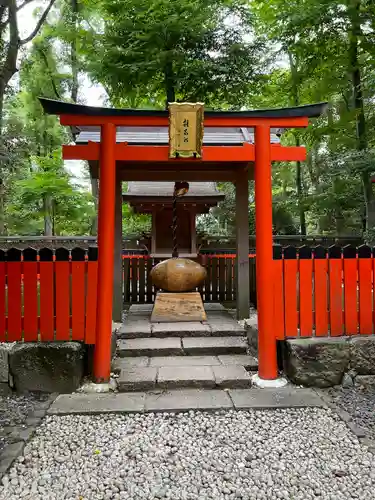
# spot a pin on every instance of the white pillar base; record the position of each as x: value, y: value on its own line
x: 92, y: 387
x: 262, y: 383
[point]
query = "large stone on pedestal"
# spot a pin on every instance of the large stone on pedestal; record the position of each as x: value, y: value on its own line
x: 176, y: 307
x: 178, y: 275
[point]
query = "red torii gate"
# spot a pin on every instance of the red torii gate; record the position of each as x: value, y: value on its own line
x: 231, y: 163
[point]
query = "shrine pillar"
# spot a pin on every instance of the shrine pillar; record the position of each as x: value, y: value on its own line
x: 118, y: 264
x: 106, y: 232
x: 242, y: 242
x: 267, y: 355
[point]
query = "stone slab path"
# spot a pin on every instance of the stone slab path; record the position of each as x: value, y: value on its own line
x: 212, y: 354
x: 184, y: 400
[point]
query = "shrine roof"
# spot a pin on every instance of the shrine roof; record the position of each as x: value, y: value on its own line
x: 159, y: 191
x: 160, y: 135
x: 65, y: 108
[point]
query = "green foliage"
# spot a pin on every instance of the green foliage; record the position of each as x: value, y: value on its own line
x: 230, y: 54
x: 158, y: 50
x: 48, y: 192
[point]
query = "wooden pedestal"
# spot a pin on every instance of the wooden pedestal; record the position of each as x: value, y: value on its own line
x: 175, y: 307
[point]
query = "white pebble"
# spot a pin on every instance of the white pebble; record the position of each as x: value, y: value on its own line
x: 272, y: 455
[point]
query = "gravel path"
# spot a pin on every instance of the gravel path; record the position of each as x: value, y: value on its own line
x: 14, y: 410
x: 283, y: 454
x: 359, y: 401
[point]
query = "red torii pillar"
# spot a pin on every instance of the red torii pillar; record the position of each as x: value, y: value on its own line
x: 267, y: 354
x: 106, y: 240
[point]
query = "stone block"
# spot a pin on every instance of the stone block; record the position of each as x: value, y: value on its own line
x: 275, y: 398
x: 214, y: 345
x: 134, y: 329
x: 225, y: 328
x: 188, y: 399
x: 141, y: 309
x: 171, y: 377
x: 252, y: 333
x: 183, y: 329
x: 316, y: 362
x: 214, y: 307
x: 47, y: 366
x: 249, y: 362
x: 231, y: 376
x: 184, y: 361
x: 5, y: 389
x: 149, y: 347
x: 137, y: 379
x: 119, y: 363
x: 362, y: 355
x: 4, y: 361
x: 92, y: 404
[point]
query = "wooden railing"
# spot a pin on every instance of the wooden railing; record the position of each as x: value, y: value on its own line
x: 323, y: 292
x: 48, y: 296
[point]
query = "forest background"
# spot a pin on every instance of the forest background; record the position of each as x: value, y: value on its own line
x: 229, y: 54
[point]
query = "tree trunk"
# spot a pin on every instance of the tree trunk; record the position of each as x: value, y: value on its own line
x: 355, y: 34
x: 296, y: 102
x: 95, y: 194
x: 73, y: 52
x: 48, y: 212
x: 169, y: 83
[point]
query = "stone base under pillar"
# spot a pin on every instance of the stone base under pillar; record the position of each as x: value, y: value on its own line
x: 176, y: 307
x: 262, y: 383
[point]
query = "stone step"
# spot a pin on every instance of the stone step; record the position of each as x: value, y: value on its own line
x: 199, y: 346
x: 175, y: 377
x: 218, y: 327
x: 250, y: 363
x: 173, y: 346
x: 150, y: 347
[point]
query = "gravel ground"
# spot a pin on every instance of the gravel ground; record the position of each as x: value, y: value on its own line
x: 14, y: 410
x: 359, y: 402
x: 294, y: 454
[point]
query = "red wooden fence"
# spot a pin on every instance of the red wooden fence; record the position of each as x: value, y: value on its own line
x: 319, y: 292
x: 46, y: 296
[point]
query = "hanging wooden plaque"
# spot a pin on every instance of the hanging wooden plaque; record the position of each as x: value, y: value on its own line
x: 185, y: 129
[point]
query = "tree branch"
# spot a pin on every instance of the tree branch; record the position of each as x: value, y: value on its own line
x: 24, y: 4
x: 45, y: 59
x: 5, y: 23
x: 39, y: 24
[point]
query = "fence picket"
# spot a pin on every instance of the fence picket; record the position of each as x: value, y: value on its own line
x: 335, y: 291
x: 350, y: 290
x: 62, y: 291
x: 321, y: 291
x: 141, y: 281
x: 290, y: 291
x: 305, y: 291
x: 214, y: 278
x: 3, y: 311
x: 91, y: 295
x: 30, y: 294
x: 278, y: 294
x: 78, y: 293
x: 221, y: 270
x: 228, y: 278
x: 365, y: 289
x: 149, y: 282
x: 134, y: 280
x: 14, y: 295
x: 47, y: 327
